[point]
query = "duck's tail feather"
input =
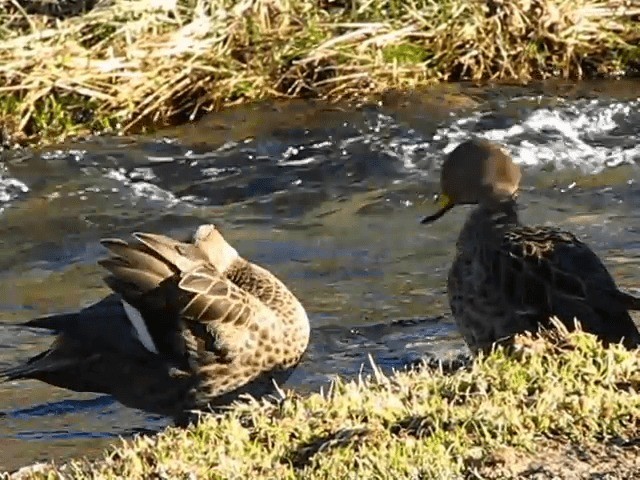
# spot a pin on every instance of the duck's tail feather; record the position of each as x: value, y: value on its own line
x: 631, y: 302
x: 22, y: 371
x: 55, y: 323
x: 47, y: 361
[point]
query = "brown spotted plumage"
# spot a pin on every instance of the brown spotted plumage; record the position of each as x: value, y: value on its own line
x: 507, y: 278
x: 190, y: 326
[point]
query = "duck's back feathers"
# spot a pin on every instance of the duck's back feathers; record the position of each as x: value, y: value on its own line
x: 227, y: 321
x: 529, y: 275
x: 562, y: 262
x: 574, y: 281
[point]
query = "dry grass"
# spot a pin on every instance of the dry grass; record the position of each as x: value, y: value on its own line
x: 561, y: 403
x: 127, y: 64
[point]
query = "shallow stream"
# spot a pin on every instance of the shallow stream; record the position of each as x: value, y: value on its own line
x: 327, y: 197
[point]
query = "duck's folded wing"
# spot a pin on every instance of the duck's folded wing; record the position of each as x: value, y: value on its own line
x: 584, y: 267
x: 143, y: 266
x: 551, y: 272
x: 181, y: 305
x: 146, y: 275
x: 226, y: 321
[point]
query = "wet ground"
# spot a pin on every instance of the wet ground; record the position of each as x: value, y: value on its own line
x: 329, y: 198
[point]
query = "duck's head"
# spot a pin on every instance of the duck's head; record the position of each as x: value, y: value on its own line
x: 476, y: 171
x: 210, y: 241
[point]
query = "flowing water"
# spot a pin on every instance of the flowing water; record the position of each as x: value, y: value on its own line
x: 329, y: 198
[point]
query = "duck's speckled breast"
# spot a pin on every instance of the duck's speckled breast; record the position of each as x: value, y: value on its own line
x: 478, y: 304
x: 294, y: 329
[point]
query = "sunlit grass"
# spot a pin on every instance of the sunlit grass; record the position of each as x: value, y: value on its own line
x: 551, y: 393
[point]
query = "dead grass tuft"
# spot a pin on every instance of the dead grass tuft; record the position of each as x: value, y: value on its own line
x: 126, y: 64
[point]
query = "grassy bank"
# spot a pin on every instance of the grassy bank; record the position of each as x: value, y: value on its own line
x: 126, y: 64
x: 563, y: 405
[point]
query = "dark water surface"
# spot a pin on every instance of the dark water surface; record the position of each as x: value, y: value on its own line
x: 328, y: 198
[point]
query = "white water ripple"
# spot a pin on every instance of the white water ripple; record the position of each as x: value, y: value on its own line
x: 143, y: 189
x: 580, y: 134
x: 10, y: 189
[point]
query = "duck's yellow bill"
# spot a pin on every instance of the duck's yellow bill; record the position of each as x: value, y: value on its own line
x: 445, y: 204
x: 443, y: 200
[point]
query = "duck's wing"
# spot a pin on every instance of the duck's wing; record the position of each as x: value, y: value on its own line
x: 226, y: 321
x: 231, y: 336
x: 145, y: 275
x: 545, y: 271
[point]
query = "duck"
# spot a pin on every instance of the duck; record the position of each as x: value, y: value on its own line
x: 508, y: 278
x: 189, y: 327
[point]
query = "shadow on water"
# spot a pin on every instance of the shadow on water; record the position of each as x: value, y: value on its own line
x: 327, y: 197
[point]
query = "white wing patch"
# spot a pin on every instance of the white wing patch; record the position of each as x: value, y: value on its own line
x: 140, y: 327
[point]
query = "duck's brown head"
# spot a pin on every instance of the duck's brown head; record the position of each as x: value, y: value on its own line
x: 217, y: 250
x: 476, y: 171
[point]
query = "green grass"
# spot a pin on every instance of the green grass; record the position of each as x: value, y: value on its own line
x: 134, y: 64
x: 542, y: 401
